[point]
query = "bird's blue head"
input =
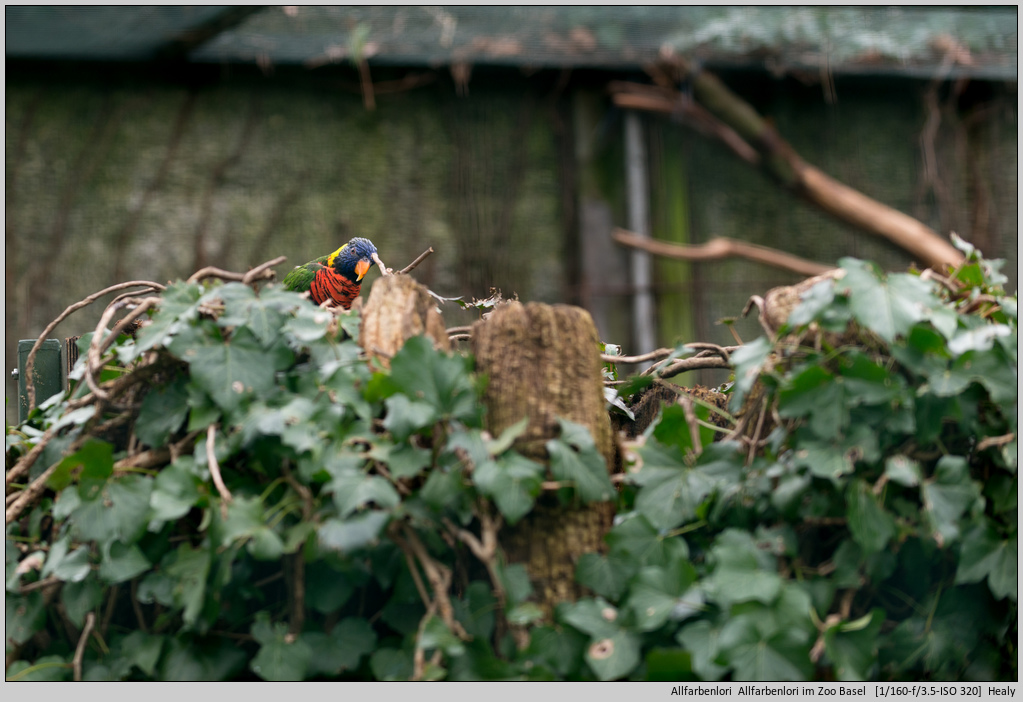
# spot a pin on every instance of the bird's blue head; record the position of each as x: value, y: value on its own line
x: 354, y: 259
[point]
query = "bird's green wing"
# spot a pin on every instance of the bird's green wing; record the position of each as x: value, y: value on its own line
x: 301, y: 277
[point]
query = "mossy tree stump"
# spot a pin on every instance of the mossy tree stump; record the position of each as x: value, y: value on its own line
x: 543, y: 362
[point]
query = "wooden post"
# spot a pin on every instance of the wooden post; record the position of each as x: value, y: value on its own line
x: 399, y: 308
x: 48, y: 373
x: 543, y: 362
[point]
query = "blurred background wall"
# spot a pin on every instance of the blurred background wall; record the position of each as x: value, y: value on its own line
x: 147, y: 142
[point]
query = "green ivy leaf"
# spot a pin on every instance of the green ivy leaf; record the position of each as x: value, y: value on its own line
x: 175, y: 492
x: 79, y: 598
x: 403, y: 460
x: 638, y: 543
x: 585, y: 469
x: 187, y: 659
x: 671, y: 492
x: 757, y: 657
x: 615, y: 656
x: 748, y: 360
x: 701, y: 640
x: 232, y: 372
x: 179, y: 305
x: 853, y: 647
x: 189, y: 570
x: 342, y: 649
x: 515, y: 581
x: 658, y: 594
x: 117, y: 510
x: 948, y: 495
x: 605, y: 575
x: 162, y: 413
x: 432, y: 377
x: 353, y: 533
x: 405, y: 416
x: 513, y: 482
x: 871, y: 526
x: 142, y: 650
x: 902, y: 470
x: 984, y: 554
x: 591, y: 616
x: 436, y: 635
x: 890, y: 307
x: 352, y: 492
x: 816, y: 393
x: 742, y: 571
x: 121, y: 562
x: 24, y: 616
x: 476, y: 610
x: 45, y: 669
x: 389, y: 664
x: 279, y: 659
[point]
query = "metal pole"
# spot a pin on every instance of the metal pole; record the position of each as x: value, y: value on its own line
x: 639, y: 222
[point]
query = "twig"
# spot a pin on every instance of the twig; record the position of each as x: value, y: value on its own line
x: 485, y: 548
x: 659, y: 353
x: 30, y: 493
x: 39, y: 584
x: 419, y: 657
x: 297, y: 596
x: 440, y: 579
x: 382, y: 469
x: 31, y: 359
x: 686, y: 403
x: 384, y: 270
x: 25, y: 462
x: 218, y: 480
x: 458, y: 330
x: 76, y: 662
x: 262, y: 270
x: 415, y: 263
x: 722, y: 351
x: 756, y: 434
x: 108, y: 614
x: 684, y: 365
x: 145, y: 459
x: 302, y: 490
x: 990, y: 441
x: 137, y: 606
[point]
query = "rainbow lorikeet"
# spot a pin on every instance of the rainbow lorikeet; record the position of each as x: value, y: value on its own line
x: 337, y: 276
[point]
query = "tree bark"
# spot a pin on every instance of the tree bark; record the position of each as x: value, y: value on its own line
x: 543, y: 362
x: 399, y: 308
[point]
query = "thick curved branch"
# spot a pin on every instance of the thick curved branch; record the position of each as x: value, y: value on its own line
x: 741, y: 128
x: 30, y: 361
x: 721, y: 248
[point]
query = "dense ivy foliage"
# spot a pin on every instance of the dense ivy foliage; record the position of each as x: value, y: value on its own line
x: 860, y: 523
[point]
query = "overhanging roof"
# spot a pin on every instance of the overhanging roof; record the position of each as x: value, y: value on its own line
x: 927, y: 42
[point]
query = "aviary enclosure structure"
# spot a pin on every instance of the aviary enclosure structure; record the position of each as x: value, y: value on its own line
x: 242, y: 485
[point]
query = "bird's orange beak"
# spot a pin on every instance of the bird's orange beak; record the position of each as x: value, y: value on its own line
x: 362, y: 267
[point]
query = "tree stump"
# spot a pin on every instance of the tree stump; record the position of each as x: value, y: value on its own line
x: 543, y: 362
x: 399, y: 308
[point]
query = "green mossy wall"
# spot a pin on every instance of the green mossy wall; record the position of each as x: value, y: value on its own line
x: 116, y: 173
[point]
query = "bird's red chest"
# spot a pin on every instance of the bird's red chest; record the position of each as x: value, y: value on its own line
x: 328, y: 284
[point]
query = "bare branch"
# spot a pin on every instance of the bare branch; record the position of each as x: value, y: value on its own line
x: 31, y: 359
x: 415, y: 263
x: 76, y: 662
x: 719, y: 248
x: 218, y: 480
